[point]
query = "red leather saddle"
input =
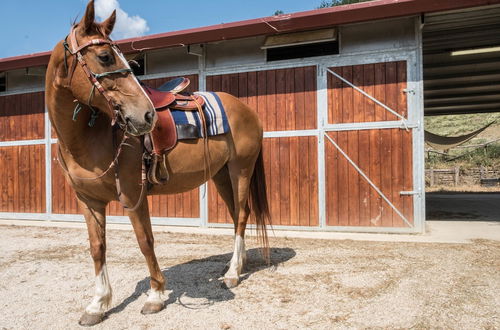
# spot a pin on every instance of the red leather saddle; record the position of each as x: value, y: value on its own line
x: 169, y: 95
x: 164, y: 135
x: 164, y: 98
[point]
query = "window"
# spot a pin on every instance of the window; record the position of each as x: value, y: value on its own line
x: 301, y: 44
x: 3, y: 82
x: 301, y: 51
x: 139, y: 70
x: 137, y: 64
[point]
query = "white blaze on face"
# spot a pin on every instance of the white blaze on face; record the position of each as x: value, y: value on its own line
x: 239, y: 256
x: 127, y: 65
x: 102, y: 297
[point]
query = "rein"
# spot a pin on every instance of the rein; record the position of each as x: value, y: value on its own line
x: 117, y: 119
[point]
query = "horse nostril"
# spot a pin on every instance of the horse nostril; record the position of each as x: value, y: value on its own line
x: 149, y: 117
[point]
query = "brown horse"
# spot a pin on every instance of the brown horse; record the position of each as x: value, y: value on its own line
x: 102, y: 83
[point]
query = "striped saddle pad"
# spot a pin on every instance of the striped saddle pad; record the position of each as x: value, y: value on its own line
x: 188, y: 123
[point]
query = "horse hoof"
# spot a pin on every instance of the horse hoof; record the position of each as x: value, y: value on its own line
x: 88, y: 320
x: 152, y: 308
x: 231, y: 282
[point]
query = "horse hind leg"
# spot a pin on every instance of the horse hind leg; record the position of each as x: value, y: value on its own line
x: 222, y: 181
x: 94, y: 213
x: 240, y: 176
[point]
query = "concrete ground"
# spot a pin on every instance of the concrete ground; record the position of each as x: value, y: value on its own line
x: 436, y: 231
x: 451, y: 218
x: 456, y: 206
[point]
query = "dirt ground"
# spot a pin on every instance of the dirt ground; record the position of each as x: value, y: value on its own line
x: 46, y: 280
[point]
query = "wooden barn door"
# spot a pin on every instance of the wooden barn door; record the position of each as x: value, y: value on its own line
x: 22, y: 154
x: 368, y: 147
x: 285, y: 100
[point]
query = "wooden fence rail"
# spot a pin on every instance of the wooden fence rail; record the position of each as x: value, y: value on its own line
x: 462, y: 176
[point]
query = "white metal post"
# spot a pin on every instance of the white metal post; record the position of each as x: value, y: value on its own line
x: 48, y: 163
x: 202, y: 86
x: 322, y: 118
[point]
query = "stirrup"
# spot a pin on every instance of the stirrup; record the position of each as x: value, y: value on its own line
x: 158, y: 173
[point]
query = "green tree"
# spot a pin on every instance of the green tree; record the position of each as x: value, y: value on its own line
x: 278, y: 12
x: 333, y: 3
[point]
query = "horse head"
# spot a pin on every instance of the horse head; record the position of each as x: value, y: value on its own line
x: 99, y: 76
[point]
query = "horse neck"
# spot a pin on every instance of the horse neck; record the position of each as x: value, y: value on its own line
x: 75, y: 136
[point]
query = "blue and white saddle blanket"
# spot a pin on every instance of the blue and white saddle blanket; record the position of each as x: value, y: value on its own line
x: 215, y: 117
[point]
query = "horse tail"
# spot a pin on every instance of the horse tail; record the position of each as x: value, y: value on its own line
x: 259, y: 204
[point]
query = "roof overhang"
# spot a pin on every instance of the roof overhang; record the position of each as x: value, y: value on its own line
x: 307, y: 20
x: 461, y: 61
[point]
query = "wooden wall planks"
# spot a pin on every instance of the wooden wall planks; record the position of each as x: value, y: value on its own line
x: 385, y: 155
x: 22, y: 183
x: 292, y: 183
x: 63, y: 196
x: 385, y: 158
x: 285, y: 99
x: 64, y: 201
x: 384, y: 81
x: 22, y: 117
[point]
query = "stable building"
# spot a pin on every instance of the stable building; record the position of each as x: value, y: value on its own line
x: 342, y: 93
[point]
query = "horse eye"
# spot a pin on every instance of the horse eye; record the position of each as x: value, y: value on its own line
x: 104, y: 58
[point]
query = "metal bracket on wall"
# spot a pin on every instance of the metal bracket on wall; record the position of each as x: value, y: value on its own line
x: 409, y: 193
x: 407, y: 126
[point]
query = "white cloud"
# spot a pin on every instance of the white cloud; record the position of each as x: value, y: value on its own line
x: 126, y: 26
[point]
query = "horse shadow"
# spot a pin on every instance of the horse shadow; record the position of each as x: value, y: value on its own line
x: 198, y: 284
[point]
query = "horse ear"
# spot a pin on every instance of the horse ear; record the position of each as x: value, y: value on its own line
x: 88, y: 17
x: 109, y: 23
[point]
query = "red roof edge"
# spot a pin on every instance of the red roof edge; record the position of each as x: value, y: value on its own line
x: 24, y: 61
x: 313, y: 19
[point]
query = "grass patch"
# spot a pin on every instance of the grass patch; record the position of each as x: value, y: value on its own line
x: 455, y: 125
x: 488, y: 156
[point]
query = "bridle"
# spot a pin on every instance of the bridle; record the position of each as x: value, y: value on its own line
x: 75, y: 50
x: 117, y: 121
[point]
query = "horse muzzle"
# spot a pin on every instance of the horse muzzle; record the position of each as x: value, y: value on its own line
x: 140, y: 126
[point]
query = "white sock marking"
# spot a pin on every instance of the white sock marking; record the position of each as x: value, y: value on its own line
x: 154, y: 296
x: 103, y: 294
x: 238, y: 258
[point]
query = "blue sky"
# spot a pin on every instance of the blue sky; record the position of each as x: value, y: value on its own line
x: 32, y: 26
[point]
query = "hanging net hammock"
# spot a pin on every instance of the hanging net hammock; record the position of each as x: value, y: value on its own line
x: 439, y: 142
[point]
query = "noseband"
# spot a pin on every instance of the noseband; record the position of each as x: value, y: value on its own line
x: 75, y: 51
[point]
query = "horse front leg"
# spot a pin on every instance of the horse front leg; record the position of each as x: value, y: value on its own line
x: 142, y: 227
x: 95, y: 217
